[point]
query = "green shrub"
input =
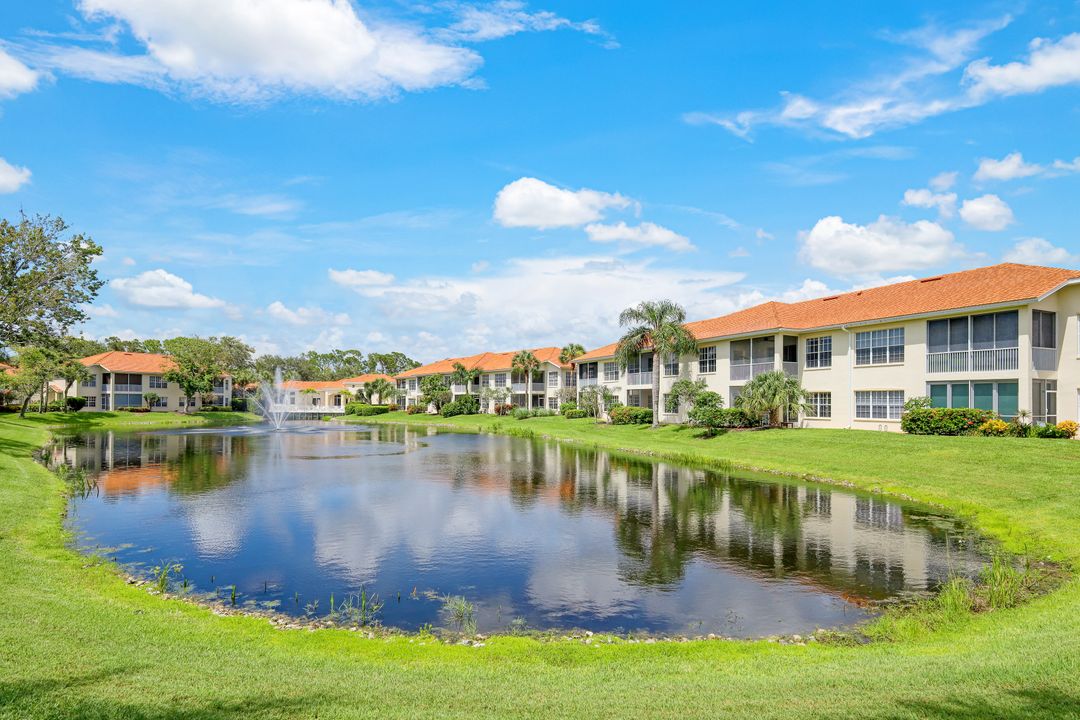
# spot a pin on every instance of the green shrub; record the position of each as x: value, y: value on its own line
x: 919, y: 402
x: 415, y: 409
x: 521, y: 413
x: 467, y: 405
x: 629, y: 415
x: 75, y: 404
x: 1069, y: 428
x: 392, y: 407
x: 568, y: 406
x: 55, y: 406
x: 504, y: 409
x: 994, y: 427
x: 1050, y: 432
x: 238, y: 404
x: 575, y: 414
x: 944, y: 421
x: 364, y: 410
x: 709, y: 412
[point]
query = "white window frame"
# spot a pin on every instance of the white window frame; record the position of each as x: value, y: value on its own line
x: 820, y: 356
x: 872, y: 341
x: 671, y: 365
x: 500, y: 380
x: 820, y: 405
x: 91, y: 401
x: 880, y: 404
x: 707, y: 359
x: 611, y: 371
x: 553, y: 378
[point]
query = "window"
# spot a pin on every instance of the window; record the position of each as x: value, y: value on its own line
x: 819, y: 352
x: 1044, y: 401
x: 91, y: 401
x: 1000, y: 397
x: 879, y: 347
x: 553, y: 403
x: 995, y: 330
x: 879, y: 404
x: 570, y: 379
x: 707, y: 359
x: 611, y: 372
x: 90, y: 381
x: 820, y: 404
x: 128, y: 400
x: 1043, y: 329
x: 412, y: 384
x: 161, y: 402
x: 553, y: 378
x: 587, y: 371
x: 950, y: 395
x: 951, y: 335
x: 671, y: 365
x: 667, y: 406
x: 500, y: 379
x: 157, y: 382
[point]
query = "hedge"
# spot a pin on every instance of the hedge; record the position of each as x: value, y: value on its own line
x: 944, y: 421
x: 363, y: 409
x: 467, y: 405
x: 628, y: 415
x: 574, y: 414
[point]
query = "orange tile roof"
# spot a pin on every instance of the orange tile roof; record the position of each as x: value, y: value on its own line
x: 366, y: 378
x: 995, y: 285
x: 317, y: 385
x: 486, y: 362
x: 118, y: 361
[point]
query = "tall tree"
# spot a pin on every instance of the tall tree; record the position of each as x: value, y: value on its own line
x: 525, y: 363
x: 36, y: 367
x: 657, y: 325
x: 464, y: 376
x: 198, y: 365
x: 434, y: 391
x: 569, y: 352
x: 71, y: 371
x: 46, y: 279
x: 390, y: 363
x: 379, y: 388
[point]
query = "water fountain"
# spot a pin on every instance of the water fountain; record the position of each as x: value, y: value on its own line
x: 270, y: 400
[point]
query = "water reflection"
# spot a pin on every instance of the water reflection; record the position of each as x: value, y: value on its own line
x: 559, y: 536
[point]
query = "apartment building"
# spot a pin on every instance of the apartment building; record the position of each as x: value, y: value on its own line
x: 542, y: 390
x: 327, y: 397
x: 1004, y: 338
x: 120, y: 380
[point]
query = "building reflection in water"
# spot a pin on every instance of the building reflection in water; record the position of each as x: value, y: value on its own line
x: 558, y: 534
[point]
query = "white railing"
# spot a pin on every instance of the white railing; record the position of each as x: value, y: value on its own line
x: 958, y: 361
x: 518, y: 387
x: 125, y: 388
x: 746, y: 371
x: 639, y: 378
x: 458, y: 389
x: 538, y: 387
x: 584, y: 382
x: 295, y: 408
x: 1044, y: 359
x: 791, y: 368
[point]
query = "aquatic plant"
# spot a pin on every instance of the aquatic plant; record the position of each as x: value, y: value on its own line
x: 359, y: 608
x: 461, y: 613
x: 163, y: 572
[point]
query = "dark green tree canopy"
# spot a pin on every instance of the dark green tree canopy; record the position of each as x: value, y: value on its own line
x: 46, y: 279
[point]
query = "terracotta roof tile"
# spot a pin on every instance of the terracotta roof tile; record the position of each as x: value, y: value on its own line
x: 486, y: 362
x: 366, y: 378
x: 118, y: 361
x: 317, y: 385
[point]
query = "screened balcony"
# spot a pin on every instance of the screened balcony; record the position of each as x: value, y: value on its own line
x: 974, y: 343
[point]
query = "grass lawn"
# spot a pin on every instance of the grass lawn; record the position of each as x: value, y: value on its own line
x: 76, y: 641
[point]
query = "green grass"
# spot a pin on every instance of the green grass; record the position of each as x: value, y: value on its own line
x: 76, y: 641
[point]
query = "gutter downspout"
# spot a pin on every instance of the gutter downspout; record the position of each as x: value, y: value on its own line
x: 851, y: 379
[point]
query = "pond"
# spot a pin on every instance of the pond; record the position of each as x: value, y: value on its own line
x: 533, y: 534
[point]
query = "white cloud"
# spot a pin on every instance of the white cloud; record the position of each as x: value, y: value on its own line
x: 762, y: 234
x: 360, y: 278
x: 305, y: 315
x: 161, y: 289
x: 11, y: 177
x: 244, y: 51
x: 508, y: 17
x: 923, y: 198
x: 943, y: 181
x: 886, y: 245
x: 1010, y: 167
x: 15, y: 77
x: 528, y: 202
x: 1068, y: 165
x: 739, y: 252
x: 1038, y: 251
x: 257, y: 205
x: 1049, y: 64
x: 988, y: 212
x: 480, y: 266
x: 644, y: 234
x: 537, y: 301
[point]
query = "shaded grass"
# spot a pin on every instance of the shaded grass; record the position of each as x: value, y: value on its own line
x: 76, y: 642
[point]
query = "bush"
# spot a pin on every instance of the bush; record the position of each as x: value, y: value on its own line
x: 1051, y: 432
x: 504, y: 409
x: 415, y: 410
x: 521, y: 413
x: 392, y: 407
x: 994, y: 428
x: 919, y: 402
x: 215, y: 408
x: 55, y: 406
x: 629, y: 415
x: 944, y: 421
x: 1068, y: 428
x: 575, y: 414
x: 135, y: 409
x: 75, y: 404
x: 467, y: 405
x: 568, y: 406
x: 238, y: 404
x: 365, y: 410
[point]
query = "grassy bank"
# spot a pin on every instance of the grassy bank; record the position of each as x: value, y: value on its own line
x: 76, y: 641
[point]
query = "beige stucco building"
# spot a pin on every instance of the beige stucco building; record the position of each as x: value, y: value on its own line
x: 122, y: 379
x: 1002, y: 338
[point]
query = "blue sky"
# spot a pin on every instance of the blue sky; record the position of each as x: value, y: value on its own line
x: 448, y: 177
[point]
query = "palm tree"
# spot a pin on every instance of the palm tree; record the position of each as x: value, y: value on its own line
x: 464, y: 376
x: 569, y: 352
x: 774, y: 393
x: 381, y: 388
x: 525, y: 363
x: 659, y: 325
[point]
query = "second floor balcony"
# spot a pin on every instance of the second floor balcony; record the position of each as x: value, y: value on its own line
x: 959, y: 361
x: 585, y: 382
x: 638, y: 379
x: 741, y: 372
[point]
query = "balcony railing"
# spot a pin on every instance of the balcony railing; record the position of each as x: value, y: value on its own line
x: 538, y: 386
x: 120, y: 387
x: 747, y: 371
x: 458, y: 389
x: 1044, y: 359
x: 518, y: 387
x: 585, y: 382
x: 958, y: 361
x: 638, y: 378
